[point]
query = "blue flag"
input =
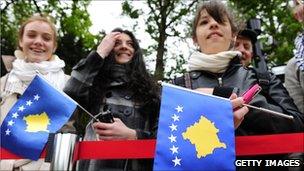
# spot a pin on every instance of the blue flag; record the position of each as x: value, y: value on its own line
x: 195, y: 131
x: 39, y: 111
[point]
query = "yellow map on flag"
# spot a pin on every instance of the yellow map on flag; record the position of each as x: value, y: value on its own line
x: 203, y: 134
x: 37, y: 122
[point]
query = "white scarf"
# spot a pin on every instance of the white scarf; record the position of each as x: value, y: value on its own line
x: 23, y: 72
x: 215, y: 63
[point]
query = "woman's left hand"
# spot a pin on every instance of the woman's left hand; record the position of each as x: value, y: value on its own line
x: 114, y: 131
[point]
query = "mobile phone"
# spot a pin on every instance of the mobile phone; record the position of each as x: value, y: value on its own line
x: 249, y: 94
x: 106, y: 117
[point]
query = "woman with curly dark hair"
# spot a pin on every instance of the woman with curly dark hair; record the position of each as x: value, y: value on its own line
x: 113, y: 81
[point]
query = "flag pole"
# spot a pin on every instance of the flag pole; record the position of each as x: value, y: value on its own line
x: 270, y: 111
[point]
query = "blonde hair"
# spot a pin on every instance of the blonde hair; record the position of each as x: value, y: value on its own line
x: 43, y: 18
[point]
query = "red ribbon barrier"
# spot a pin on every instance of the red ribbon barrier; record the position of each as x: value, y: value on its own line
x: 134, y: 149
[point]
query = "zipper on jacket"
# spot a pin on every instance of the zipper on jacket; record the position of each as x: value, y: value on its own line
x: 220, y: 80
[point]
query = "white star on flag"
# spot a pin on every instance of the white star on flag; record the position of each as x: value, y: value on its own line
x: 21, y: 108
x: 176, y: 161
x: 29, y: 103
x: 7, y: 132
x: 174, y: 149
x: 179, y: 109
x: 173, y: 127
x: 10, y: 123
x: 172, y: 138
x: 175, y: 117
x: 15, y: 115
x: 36, y: 97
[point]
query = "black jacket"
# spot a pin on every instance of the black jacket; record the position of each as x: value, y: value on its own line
x: 141, y: 116
x: 255, y: 122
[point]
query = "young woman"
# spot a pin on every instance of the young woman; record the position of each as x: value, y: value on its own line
x: 37, y: 42
x: 113, y: 79
x: 216, y: 65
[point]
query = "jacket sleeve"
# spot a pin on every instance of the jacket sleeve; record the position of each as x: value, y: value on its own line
x: 276, y: 99
x: 294, y: 82
x: 82, y: 77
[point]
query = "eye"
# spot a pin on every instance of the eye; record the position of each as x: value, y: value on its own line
x: 117, y: 43
x: 130, y: 43
x: 203, y: 22
x: 31, y: 35
x: 47, y: 37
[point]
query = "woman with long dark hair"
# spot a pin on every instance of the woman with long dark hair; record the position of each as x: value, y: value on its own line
x: 113, y: 81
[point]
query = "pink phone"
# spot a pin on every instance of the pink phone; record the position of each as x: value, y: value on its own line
x: 249, y: 94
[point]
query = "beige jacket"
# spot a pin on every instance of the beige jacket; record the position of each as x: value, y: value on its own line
x: 22, y: 164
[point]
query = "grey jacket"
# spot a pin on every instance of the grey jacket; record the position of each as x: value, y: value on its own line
x: 294, y: 83
x: 141, y: 117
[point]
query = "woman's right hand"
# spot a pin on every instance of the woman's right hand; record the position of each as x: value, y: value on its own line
x: 239, y: 111
x: 107, y: 44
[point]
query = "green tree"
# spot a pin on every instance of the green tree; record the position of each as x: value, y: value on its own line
x: 71, y: 19
x: 164, y: 19
x: 277, y: 21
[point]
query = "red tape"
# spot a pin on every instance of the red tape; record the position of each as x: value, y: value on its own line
x: 135, y: 149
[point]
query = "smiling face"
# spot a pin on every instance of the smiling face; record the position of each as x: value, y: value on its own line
x: 211, y: 36
x: 37, y: 41
x: 123, y: 49
x: 244, y: 45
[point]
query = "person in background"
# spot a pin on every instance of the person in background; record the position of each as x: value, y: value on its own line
x: 244, y: 43
x: 114, y: 80
x: 294, y: 71
x: 274, y: 90
x: 216, y: 66
x: 37, y: 42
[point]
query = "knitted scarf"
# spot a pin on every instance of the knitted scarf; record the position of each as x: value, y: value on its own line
x: 23, y: 72
x: 215, y: 63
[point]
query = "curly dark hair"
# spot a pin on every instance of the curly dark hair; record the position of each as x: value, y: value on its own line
x: 141, y: 82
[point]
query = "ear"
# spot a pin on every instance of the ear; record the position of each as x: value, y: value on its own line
x: 55, y: 48
x: 194, y: 40
x: 20, y: 44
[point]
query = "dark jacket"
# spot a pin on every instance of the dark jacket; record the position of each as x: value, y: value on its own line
x: 255, y: 122
x: 276, y: 98
x: 119, y: 99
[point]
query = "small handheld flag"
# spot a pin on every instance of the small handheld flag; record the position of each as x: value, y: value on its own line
x: 39, y: 111
x: 195, y: 131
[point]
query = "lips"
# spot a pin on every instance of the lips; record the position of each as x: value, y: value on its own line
x: 36, y: 50
x: 123, y: 53
x: 215, y: 33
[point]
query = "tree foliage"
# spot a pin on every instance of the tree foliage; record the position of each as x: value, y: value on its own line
x: 70, y: 17
x: 277, y: 21
x: 163, y: 19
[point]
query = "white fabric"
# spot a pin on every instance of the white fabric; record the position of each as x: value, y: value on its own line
x: 215, y: 63
x: 299, y: 51
x: 23, y: 72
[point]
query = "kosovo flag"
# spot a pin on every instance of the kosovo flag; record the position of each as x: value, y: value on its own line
x: 39, y: 111
x: 195, y: 131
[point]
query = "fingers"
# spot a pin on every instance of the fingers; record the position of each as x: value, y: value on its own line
x: 233, y: 96
x: 237, y: 102
x: 102, y: 125
x: 240, y: 113
x: 205, y: 90
x: 238, y: 116
x: 107, y: 44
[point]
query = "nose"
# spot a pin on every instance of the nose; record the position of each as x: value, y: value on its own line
x: 124, y: 45
x: 38, y: 40
x: 213, y: 24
